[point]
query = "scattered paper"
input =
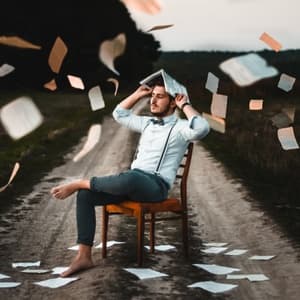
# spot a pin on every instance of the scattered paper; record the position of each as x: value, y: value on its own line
x: 286, y: 82
x: 215, y: 123
x: 51, y: 85
x: 76, y: 82
x: 5, y: 69
x: 92, y: 139
x: 236, y: 252
x: 57, y: 55
x: 212, y: 83
x: 247, y: 69
x: 26, y: 264
x: 142, y: 273
x: 262, y: 257
x: 111, y: 49
x: 219, y: 105
x: 162, y: 247
x: 216, y: 269
x: 159, y: 27
x: 213, y: 287
x: 109, y: 244
x: 287, y: 138
x: 147, y: 6
x: 281, y: 120
x: 214, y: 250
x: 275, y: 45
x: 35, y: 271
x: 96, y: 98
x: 56, y: 282
x: 256, y: 104
x: 3, y: 276
x: 12, y: 176
x: 18, y: 42
x: 213, y: 244
x: 59, y: 270
x: 251, y: 277
x: 9, y: 284
x: 116, y: 83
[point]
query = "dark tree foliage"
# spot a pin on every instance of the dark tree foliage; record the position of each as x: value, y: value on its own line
x: 82, y: 25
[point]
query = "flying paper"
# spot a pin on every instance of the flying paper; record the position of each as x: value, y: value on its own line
x: 247, y: 69
x: 111, y: 49
x: 76, y: 82
x: 256, y: 104
x: 213, y: 287
x: 51, y: 85
x: 212, y: 83
x: 5, y: 69
x: 96, y: 98
x: 215, y: 123
x: 216, y: 269
x: 219, y: 105
x: 147, y: 6
x: 270, y: 41
x: 12, y: 176
x: 20, y: 117
x: 116, y: 83
x: 92, y: 139
x: 286, y: 82
x: 56, y: 282
x: 18, y: 42
x: 159, y: 27
x: 287, y: 138
x: 142, y: 273
x: 57, y: 55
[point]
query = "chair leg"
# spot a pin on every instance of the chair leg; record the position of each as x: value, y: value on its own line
x: 140, y: 237
x: 152, y: 232
x: 105, y: 216
x: 185, y: 238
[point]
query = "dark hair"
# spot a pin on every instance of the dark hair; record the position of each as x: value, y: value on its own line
x: 159, y: 81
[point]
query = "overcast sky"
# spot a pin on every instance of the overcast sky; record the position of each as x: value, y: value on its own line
x: 224, y: 24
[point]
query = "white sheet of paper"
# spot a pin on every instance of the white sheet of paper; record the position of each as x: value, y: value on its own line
x: 35, y: 271
x: 162, y: 247
x: 216, y: 269
x: 287, y: 138
x: 215, y: 123
x: 256, y: 104
x: 57, y: 55
x: 76, y: 82
x: 247, y: 69
x: 93, y: 138
x: 75, y: 248
x: 109, y: 244
x: 143, y: 273
x: 146, y: 6
x: 96, y: 98
x: 2, y: 276
x: 26, y: 264
x: 286, y: 82
x: 116, y: 83
x: 20, y: 117
x: 111, y: 49
x: 212, y: 83
x: 59, y: 270
x: 5, y: 69
x: 236, y: 252
x: 251, y: 277
x: 218, y: 106
x: 18, y: 42
x: 213, y: 244
x: 12, y: 176
x: 9, y: 284
x: 261, y: 257
x: 214, y: 250
x: 56, y: 282
x: 213, y: 286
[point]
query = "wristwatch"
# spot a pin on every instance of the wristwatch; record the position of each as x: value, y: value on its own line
x: 184, y: 104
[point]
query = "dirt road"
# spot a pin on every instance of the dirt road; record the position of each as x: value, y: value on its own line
x: 221, y: 210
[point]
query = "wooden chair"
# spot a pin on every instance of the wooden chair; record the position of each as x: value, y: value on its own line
x: 139, y: 210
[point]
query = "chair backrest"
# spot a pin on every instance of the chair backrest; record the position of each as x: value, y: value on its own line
x: 183, y: 175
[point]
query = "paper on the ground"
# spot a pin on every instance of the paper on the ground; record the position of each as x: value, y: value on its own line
x: 35, y: 271
x: 143, y: 273
x: 16, y: 41
x: 215, y: 123
x: 2, y: 276
x: 214, y: 250
x: 216, y: 269
x: 76, y: 248
x: 218, y: 106
x: 256, y: 104
x: 146, y: 6
x: 9, y: 284
x: 213, y: 244
x: 57, y: 55
x: 236, y: 252
x: 261, y: 257
x: 26, y: 264
x: 287, y: 138
x: 76, y: 82
x: 281, y: 120
x: 20, y: 117
x: 247, y: 69
x: 275, y: 45
x: 162, y: 247
x: 56, y: 282
x: 286, y: 82
x: 251, y: 277
x: 92, y: 139
x: 59, y: 270
x: 213, y: 287
x: 159, y: 27
x: 109, y: 244
x: 12, y: 176
x: 96, y: 98
x: 111, y: 49
x: 51, y: 85
x: 5, y: 69
x: 212, y: 83
x: 116, y: 83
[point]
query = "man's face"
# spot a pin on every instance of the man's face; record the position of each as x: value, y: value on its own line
x: 160, y: 104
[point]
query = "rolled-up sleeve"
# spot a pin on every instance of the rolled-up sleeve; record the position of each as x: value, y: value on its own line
x: 197, y: 129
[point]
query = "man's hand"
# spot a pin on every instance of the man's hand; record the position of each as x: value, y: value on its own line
x: 138, y: 94
x: 142, y: 91
x: 180, y: 99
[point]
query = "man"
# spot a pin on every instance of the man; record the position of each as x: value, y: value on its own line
x: 162, y: 145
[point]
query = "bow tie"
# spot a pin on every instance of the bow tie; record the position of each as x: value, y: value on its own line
x: 158, y: 121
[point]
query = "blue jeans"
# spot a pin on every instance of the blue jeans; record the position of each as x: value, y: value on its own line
x: 135, y: 185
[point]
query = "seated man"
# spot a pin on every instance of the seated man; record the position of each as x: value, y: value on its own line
x: 162, y: 145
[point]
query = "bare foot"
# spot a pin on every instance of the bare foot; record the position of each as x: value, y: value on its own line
x: 64, y: 191
x: 78, y: 264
